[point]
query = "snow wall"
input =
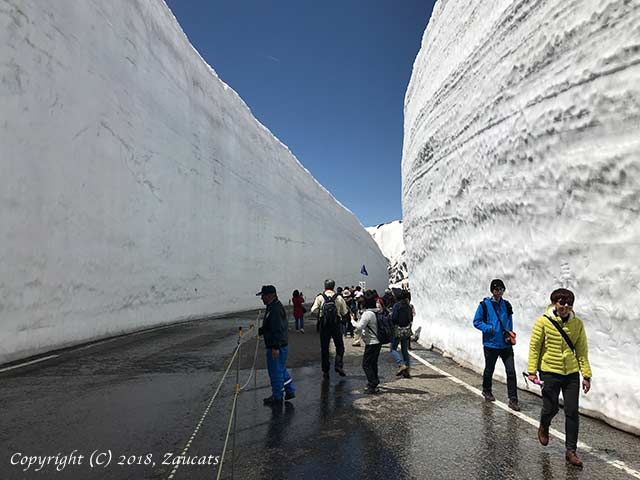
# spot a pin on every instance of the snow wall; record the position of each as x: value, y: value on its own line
x: 521, y: 160
x: 138, y: 189
x: 389, y: 238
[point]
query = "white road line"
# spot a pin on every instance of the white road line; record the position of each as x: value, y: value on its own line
x: 86, y: 347
x: 28, y: 363
x: 582, y: 446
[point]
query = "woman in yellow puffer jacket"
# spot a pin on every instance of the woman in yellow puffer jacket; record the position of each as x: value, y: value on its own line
x: 559, y: 367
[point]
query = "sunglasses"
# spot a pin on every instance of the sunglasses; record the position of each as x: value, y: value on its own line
x: 564, y: 301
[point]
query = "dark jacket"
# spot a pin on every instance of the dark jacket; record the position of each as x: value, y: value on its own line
x: 402, y: 314
x: 275, y: 326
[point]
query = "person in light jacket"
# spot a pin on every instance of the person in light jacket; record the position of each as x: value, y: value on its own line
x: 367, y: 324
x: 560, y: 367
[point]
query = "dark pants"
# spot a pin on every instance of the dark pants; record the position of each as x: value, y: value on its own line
x: 490, y: 358
x: 570, y: 387
x: 370, y: 364
x: 347, y: 328
x: 328, y: 332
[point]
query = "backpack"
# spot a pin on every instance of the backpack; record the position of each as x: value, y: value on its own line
x: 484, y: 310
x: 385, y: 327
x: 405, y: 315
x: 330, y: 310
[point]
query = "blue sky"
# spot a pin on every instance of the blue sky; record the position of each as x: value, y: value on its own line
x: 328, y: 78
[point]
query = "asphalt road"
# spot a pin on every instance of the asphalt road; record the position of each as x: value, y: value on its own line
x: 131, y: 407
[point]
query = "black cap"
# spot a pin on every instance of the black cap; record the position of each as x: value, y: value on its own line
x: 497, y: 283
x: 266, y: 289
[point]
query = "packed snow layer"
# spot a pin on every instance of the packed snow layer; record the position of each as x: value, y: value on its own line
x: 521, y: 160
x: 138, y: 189
x: 388, y: 236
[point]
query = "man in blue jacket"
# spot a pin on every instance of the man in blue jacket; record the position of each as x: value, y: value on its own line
x: 494, y: 317
x: 275, y: 331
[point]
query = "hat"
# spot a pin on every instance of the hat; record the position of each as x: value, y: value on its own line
x: 497, y: 283
x: 346, y: 292
x: 266, y: 289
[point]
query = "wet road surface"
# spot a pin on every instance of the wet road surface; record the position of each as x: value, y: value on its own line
x: 144, y: 399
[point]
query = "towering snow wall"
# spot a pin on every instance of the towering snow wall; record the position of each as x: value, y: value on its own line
x: 389, y: 238
x: 521, y: 160
x: 137, y: 188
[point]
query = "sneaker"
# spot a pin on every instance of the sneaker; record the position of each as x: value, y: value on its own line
x: 543, y: 435
x: 369, y: 390
x: 340, y: 372
x: 514, y: 405
x: 289, y: 395
x: 272, y: 402
x: 572, y: 458
x: 401, y: 370
x: 302, y: 330
x: 407, y: 373
x: 488, y: 396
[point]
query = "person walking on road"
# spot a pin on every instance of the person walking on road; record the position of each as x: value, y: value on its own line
x: 275, y: 331
x: 494, y: 317
x: 558, y: 351
x: 367, y: 325
x: 298, y: 310
x: 330, y: 308
x: 401, y: 317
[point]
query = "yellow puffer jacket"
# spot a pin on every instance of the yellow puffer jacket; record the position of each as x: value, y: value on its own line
x: 548, y: 352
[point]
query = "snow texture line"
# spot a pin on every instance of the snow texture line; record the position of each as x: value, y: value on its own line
x: 583, y: 446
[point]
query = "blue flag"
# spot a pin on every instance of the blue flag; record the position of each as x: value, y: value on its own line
x: 363, y: 270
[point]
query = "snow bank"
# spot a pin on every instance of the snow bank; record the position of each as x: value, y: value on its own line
x: 521, y: 160
x: 388, y: 236
x: 138, y: 189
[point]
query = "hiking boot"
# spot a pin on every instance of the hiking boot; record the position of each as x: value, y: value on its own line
x: 401, y: 370
x: 369, y: 390
x: 407, y: 373
x: 514, y: 405
x: 272, y: 402
x: 543, y: 435
x: 573, y: 458
x: 488, y: 396
x: 289, y: 395
x: 340, y: 372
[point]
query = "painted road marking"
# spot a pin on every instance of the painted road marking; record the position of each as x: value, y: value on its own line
x: 86, y: 347
x: 552, y: 431
x: 28, y: 363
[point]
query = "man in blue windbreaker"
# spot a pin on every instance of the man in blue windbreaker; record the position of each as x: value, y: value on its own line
x: 494, y: 317
x: 275, y: 331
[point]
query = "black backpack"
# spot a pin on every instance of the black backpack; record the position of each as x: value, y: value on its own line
x: 405, y: 314
x: 484, y: 310
x: 330, y: 310
x: 385, y: 327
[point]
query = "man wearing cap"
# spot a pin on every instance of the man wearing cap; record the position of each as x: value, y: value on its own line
x: 274, y: 329
x: 330, y: 328
x: 559, y: 351
x: 494, y: 317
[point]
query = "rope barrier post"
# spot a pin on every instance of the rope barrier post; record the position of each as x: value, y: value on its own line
x: 255, y: 376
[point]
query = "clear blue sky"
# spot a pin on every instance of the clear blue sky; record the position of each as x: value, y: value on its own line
x: 328, y: 78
